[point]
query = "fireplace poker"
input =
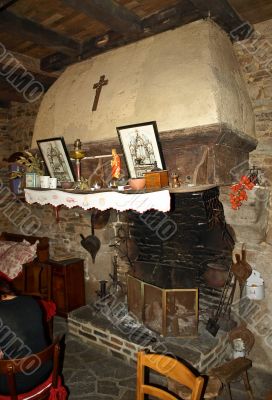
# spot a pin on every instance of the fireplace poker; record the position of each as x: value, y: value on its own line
x: 212, y: 324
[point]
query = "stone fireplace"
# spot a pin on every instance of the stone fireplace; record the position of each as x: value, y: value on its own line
x: 204, y: 115
x: 199, y: 100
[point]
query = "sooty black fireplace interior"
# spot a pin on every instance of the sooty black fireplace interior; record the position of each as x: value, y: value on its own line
x: 180, y: 258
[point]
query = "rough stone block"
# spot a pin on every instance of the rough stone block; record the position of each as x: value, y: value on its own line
x: 250, y: 221
x: 110, y: 345
x: 117, y: 341
x: 107, y: 387
x: 87, y: 335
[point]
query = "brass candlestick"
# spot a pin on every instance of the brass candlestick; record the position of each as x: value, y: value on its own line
x: 175, y: 180
x: 78, y: 154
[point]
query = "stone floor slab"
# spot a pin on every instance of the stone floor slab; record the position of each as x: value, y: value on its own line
x: 90, y: 374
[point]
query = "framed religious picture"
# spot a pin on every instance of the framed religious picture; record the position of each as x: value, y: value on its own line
x: 141, y: 148
x: 57, y: 159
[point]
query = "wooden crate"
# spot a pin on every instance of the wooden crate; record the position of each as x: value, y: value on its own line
x: 156, y: 179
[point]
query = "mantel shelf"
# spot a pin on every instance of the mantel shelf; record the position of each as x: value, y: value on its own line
x: 191, y: 188
x: 102, y: 200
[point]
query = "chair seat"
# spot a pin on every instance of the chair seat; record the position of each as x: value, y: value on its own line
x: 231, y: 370
x: 212, y: 390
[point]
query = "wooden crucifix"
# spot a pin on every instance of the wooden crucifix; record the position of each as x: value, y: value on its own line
x: 98, y: 87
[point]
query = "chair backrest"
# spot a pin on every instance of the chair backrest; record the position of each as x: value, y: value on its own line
x: 242, y: 332
x: 30, y: 363
x: 170, y: 368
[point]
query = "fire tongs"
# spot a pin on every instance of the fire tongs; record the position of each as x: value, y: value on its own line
x: 212, y: 324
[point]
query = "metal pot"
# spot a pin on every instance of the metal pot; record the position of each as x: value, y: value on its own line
x: 215, y: 275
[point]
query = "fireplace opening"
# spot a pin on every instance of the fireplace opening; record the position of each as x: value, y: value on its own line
x: 193, y: 257
x: 172, y: 285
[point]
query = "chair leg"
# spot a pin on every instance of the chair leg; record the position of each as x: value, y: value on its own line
x: 247, y: 385
x: 228, y: 390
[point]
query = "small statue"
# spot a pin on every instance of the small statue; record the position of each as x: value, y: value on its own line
x: 115, y: 165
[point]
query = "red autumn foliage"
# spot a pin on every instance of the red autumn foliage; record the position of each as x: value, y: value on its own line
x: 238, y: 192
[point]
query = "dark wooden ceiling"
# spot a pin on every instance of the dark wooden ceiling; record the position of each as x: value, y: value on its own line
x: 47, y: 35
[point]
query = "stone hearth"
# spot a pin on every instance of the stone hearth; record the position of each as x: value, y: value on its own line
x: 112, y: 329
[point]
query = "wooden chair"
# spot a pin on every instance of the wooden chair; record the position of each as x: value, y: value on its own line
x: 43, y: 391
x: 211, y: 390
x: 170, y: 368
x: 237, y: 368
x: 232, y: 371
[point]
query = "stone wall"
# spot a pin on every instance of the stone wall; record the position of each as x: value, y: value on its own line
x: 5, y: 143
x: 253, y: 222
x: 16, y: 131
x: 5, y: 140
x: 65, y: 235
x: 21, y: 125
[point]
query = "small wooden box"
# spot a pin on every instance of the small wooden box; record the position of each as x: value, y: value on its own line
x: 156, y: 179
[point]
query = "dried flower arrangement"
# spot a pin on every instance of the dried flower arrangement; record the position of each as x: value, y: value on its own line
x: 30, y: 163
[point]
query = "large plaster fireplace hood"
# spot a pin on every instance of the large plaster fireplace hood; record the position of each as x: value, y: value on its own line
x: 186, y: 79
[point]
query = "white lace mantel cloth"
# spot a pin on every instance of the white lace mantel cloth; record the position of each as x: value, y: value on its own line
x: 121, y: 201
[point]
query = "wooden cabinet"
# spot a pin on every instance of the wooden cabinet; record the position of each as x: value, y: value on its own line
x: 68, y: 289
x: 35, y: 280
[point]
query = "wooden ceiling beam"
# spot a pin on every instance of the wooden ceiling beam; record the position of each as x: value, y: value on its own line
x: 6, y: 3
x: 110, y: 13
x: 17, y: 83
x: 225, y: 16
x: 36, y: 33
x: 159, y: 22
x: 18, y: 77
x: 31, y: 64
x: 169, y: 18
x: 56, y: 62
